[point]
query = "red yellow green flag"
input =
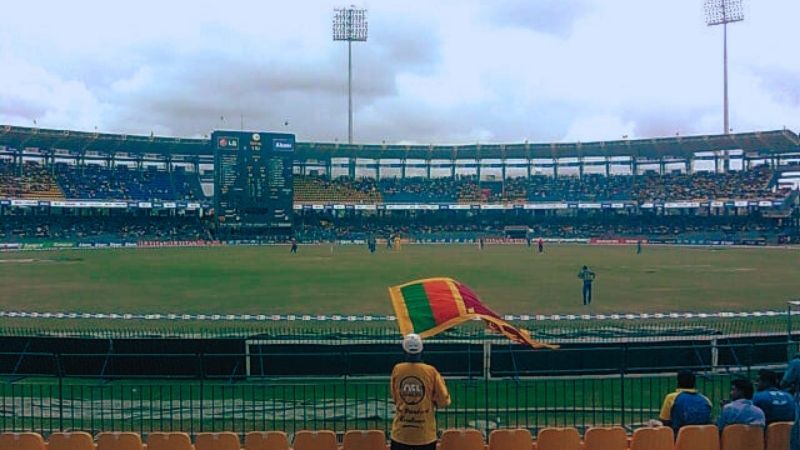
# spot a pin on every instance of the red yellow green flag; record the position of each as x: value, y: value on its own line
x: 428, y: 307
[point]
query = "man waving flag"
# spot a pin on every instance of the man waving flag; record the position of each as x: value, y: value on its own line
x: 428, y: 307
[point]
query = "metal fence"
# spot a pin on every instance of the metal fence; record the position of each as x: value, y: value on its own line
x: 533, y: 397
x: 595, y: 328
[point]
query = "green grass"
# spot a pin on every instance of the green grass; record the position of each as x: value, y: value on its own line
x: 348, y: 280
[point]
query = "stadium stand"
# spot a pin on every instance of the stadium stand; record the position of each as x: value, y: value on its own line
x: 311, y: 188
x: 98, y: 228
x: 758, y: 183
x: 28, y: 181
x: 418, y: 190
x: 123, y: 183
x: 690, y: 437
x: 38, y: 165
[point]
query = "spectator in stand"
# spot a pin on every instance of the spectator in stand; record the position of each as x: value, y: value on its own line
x: 791, y: 381
x: 685, y: 406
x: 778, y: 405
x: 417, y: 390
x: 740, y: 409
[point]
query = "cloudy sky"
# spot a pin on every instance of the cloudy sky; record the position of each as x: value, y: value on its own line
x: 436, y: 71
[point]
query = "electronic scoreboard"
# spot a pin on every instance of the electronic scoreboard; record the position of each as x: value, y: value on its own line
x: 253, y: 182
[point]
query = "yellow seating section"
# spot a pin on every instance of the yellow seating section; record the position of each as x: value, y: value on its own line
x: 312, y: 189
x: 692, y: 437
x: 34, y: 183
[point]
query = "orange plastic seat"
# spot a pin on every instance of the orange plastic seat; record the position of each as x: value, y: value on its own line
x: 217, y: 441
x: 605, y: 438
x: 266, y: 440
x: 76, y: 440
x: 510, y: 439
x: 364, y: 440
x: 659, y: 438
x: 461, y: 439
x: 119, y: 441
x: 169, y: 441
x: 21, y: 441
x: 697, y: 437
x: 558, y: 439
x: 315, y: 440
x: 742, y: 437
x: 778, y: 435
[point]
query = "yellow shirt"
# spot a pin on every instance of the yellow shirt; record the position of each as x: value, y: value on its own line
x: 417, y: 390
x: 669, y: 400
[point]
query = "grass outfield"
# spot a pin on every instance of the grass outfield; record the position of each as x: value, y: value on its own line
x: 348, y: 280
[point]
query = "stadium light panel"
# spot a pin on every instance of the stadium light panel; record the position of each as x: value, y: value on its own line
x: 350, y: 24
x: 720, y: 12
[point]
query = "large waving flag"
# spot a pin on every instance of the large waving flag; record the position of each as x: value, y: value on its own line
x: 428, y: 307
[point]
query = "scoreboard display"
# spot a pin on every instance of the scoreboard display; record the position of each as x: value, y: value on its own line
x: 253, y: 189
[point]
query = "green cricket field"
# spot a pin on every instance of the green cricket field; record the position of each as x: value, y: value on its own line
x: 511, y: 279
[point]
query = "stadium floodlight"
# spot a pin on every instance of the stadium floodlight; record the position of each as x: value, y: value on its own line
x: 723, y: 12
x: 350, y: 24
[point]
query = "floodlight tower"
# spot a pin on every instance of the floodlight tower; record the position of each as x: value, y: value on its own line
x: 723, y: 12
x: 350, y: 24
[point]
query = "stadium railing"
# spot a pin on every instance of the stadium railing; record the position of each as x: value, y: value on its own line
x: 207, y: 400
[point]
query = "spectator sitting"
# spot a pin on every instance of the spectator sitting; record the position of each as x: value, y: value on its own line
x: 685, y: 406
x: 778, y: 405
x: 741, y: 410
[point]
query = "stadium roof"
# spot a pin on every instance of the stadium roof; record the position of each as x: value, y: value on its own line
x: 761, y: 142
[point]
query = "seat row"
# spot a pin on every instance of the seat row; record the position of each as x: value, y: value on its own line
x: 705, y: 437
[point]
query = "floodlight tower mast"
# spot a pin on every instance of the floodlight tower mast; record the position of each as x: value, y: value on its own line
x: 723, y: 12
x: 350, y: 24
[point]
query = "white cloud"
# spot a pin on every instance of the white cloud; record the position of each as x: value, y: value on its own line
x: 448, y: 72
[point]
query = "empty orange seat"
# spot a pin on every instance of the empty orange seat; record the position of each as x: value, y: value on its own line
x: 119, y: 441
x: 461, y: 439
x: 558, y: 439
x: 266, y: 440
x: 742, y: 437
x: 605, y: 438
x: 76, y: 440
x: 169, y: 441
x: 315, y: 440
x: 21, y: 441
x: 659, y: 438
x: 510, y: 439
x: 217, y: 441
x: 697, y: 437
x: 778, y: 435
x: 364, y: 440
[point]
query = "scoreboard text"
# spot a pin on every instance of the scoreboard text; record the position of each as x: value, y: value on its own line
x: 253, y: 180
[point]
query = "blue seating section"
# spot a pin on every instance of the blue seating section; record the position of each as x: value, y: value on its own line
x: 92, y: 182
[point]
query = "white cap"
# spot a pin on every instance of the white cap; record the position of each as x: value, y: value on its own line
x: 412, y: 344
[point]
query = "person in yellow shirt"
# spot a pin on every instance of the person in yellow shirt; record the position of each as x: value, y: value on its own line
x: 417, y: 390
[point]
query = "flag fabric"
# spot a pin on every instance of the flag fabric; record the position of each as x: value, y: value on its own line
x: 428, y: 307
